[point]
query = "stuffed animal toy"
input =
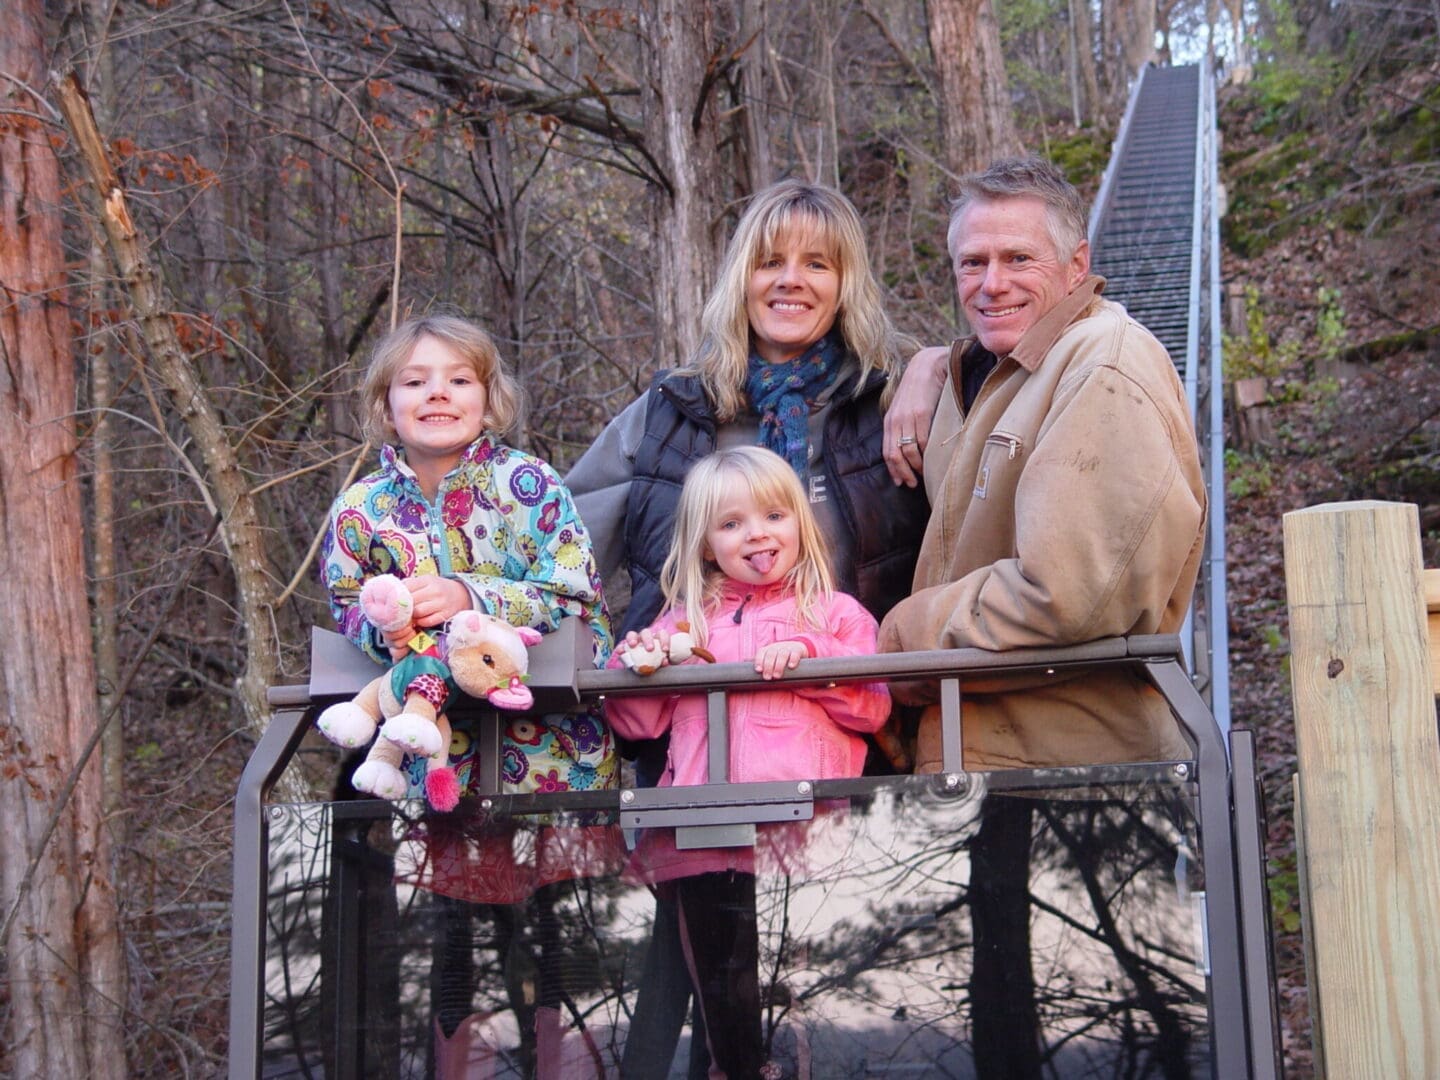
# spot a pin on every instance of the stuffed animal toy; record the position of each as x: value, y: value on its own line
x: 484, y: 656
x: 682, y: 647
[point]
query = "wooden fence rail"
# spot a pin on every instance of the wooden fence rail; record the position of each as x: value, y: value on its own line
x: 1363, y: 670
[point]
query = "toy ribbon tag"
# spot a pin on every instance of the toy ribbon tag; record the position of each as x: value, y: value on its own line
x: 422, y: 643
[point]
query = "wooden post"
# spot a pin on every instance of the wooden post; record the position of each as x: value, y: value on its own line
x: 1369, y: 760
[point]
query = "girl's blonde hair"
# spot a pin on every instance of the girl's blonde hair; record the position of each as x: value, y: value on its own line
x: 793, y: 207
x: 504, y: 399
x: 692, y: 583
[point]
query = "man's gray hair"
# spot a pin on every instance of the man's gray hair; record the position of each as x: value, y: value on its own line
x: 1032, y: 177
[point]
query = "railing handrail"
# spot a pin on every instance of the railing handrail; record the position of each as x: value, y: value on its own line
x: 548, y: 679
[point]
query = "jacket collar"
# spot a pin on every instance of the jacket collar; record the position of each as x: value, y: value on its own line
x: 738, y: 593
x: 392, y: 459
x: 1037, y: 342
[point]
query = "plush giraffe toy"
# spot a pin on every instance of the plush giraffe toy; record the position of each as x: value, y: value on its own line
x: 483, y: 656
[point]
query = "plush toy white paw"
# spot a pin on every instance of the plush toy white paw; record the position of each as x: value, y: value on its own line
x: 682, y: 647
x: 415, y: 733
x: 643, y: 661
x: 387, y: 603
x: 380, y: 779
x: 347, y: 724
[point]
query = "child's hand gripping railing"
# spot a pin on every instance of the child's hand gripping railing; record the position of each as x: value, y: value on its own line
x: 1223, y: 785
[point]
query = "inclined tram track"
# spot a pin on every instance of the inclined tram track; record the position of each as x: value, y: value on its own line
x: 1154, y: 235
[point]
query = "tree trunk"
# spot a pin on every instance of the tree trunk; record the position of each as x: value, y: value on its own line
x: 62, y: 956
x: 978, y: 126
x: 1084, y: 31
x: 104, y: 569
x: 1241, y: 57
x: 1129, y: 43
x: 240, y: 526
x: 102, y: 558
x: 828, y: 21
x: 682, y: 129
x: 1139, y: 30
x: 759, y: 170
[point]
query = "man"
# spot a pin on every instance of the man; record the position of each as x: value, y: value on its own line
x: 1065, y: 485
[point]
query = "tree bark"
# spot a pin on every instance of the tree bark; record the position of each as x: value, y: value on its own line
x: 1085, y: 55
x: 62, y: 957
x: 1241, y: 57
x: 759, y: 169
x: 1129, y: 43
x: 682, y: 129
x: 1139, y: 35
x: 240, y: 527
x: 978, y: 125
x: 103, y: 547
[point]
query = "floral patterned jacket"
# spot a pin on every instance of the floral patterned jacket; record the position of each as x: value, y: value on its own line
x: 504, y: 525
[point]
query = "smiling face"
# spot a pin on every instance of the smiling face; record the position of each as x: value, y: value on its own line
x: 793, y: 295
x: 437, y: 404
x: 752, y: 542
x: 1007, y: 271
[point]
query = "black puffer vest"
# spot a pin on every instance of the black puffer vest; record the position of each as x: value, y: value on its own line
x: 886, y: 523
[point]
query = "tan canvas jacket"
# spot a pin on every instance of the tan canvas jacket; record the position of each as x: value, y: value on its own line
x: 1067, y: 506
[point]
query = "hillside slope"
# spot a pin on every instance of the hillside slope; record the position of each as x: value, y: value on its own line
x: 1332, y: 241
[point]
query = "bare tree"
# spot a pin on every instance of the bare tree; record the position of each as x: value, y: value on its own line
x: 232, y: 500
x: 683, y: 127
x: 60, y: 934
x: 1087, y: 82
x: 976, y: 117
x: 1127, y: 35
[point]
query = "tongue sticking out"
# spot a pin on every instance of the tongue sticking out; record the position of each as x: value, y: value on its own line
x: 761, y: 561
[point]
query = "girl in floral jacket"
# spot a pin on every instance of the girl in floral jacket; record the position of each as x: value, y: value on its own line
x: 467, y: 522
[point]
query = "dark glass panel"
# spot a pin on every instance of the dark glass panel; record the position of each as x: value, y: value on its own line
x: 901, y: 932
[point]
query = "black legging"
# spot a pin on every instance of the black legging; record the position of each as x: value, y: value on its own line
x: 718, y: 927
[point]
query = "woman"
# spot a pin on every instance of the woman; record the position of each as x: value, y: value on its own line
x: 795, y: 354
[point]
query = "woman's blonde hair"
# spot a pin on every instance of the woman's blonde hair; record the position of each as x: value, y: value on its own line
x: 794, y: 207
x: 692, y: 583
x: 504, y: 399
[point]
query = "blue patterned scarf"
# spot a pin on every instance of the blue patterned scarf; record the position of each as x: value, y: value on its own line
x: 783, y: 394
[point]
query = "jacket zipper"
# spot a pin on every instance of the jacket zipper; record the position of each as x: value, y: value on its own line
x: 1010, y: 442
x: 438, y: 540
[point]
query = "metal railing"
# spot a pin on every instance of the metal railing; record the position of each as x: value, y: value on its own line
x: 1219, y: 775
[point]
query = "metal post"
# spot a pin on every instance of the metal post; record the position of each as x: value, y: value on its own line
x: 248, y: 900
x: 1263, y: 1010
x: 717, y: 728
x: 1222, y: 913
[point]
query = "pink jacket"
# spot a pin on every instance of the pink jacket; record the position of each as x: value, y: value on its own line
x: 785, y: 733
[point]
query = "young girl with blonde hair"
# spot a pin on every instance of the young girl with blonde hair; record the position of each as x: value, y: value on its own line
x: 749, y: 573
x: 468, y: 521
